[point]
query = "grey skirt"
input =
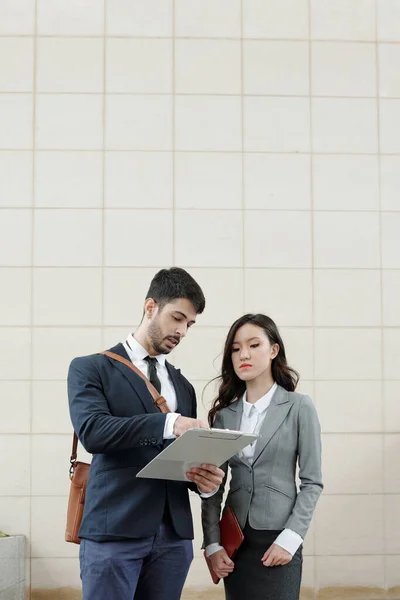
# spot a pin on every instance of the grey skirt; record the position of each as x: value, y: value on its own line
x: 250, y: 580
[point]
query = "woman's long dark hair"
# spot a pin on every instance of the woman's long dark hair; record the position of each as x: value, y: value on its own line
x: 231, y: 387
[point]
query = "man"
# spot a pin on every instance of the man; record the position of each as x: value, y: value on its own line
x: 136, y: 533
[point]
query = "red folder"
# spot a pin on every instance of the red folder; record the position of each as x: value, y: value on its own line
x: 231, y: 538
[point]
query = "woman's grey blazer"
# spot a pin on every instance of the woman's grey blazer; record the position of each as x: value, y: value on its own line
x: 265, y: 492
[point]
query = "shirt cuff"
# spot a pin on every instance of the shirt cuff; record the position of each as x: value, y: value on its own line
x: 212, y: 549
x: 289, y: 540
x: 208, y: 494
x: 169, y: 426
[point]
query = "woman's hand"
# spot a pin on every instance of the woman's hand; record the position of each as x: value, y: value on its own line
x: 221, y: 563
x: 275, y: 556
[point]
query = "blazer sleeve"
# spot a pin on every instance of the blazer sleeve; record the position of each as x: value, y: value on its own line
x: 309, y: 456
x: 211, y: 507
x: 97, y: 429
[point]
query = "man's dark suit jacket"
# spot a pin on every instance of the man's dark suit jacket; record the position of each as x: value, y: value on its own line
x: 116, y: 420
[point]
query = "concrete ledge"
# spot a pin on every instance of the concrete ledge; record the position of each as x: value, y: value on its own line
x: 12, y: 568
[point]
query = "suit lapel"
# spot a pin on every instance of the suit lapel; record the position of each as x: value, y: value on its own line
x: 182, y: 397
x: 136, y: 382
x: 233, y: 419
x: 276, y: 414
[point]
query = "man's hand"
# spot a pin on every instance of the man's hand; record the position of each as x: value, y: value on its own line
x: 275, y: 556
x: 182, y: 424
x: 221, y: 563
x: 206, y: 477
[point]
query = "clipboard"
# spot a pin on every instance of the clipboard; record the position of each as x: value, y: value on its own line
x: 193, y: 448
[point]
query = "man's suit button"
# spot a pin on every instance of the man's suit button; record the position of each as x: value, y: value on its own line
x: 141, y: 442
x: 153, y: 441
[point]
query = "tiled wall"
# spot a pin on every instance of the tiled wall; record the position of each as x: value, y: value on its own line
x: 254, y: 142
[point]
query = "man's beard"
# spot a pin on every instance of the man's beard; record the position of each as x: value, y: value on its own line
x: 158, y: 340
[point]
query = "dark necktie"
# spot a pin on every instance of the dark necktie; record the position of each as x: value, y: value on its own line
x: 153, y: 377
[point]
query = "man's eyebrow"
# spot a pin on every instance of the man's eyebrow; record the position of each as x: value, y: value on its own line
x: 184, y: 316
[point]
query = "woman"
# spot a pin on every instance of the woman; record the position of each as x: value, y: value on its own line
x: 257, y: 394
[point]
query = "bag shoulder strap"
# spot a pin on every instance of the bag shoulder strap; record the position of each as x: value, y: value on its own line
x: 158, y: 400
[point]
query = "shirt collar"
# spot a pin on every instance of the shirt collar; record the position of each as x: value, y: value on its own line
x: 262, y: 404
x: 137, y: 352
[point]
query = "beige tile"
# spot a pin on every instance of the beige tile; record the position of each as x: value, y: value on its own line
x: 276, y: 124
x: 15, y: 364
x: 124, y: 294
x: 350, y: 571
x: 391, y: 297
x: 113, y: 335
x: 49, y: 364
x: 69, y: 121
x: 290, y: 231
x: 347, y: 354
x: 15, y: 237
x: 389, y: 128
x: 347, y: 297
x: 50, y: 407
x: 127, y: 236
x: 391, y: 396
x: 207, y: 66
x: 16, y: 113
x: 208, y: 180
x: 222, y: 290
x: 343, y: 69
x: 15, y: 407
x: 54, y: 17
x: 345, y: 182
x: 48, y: 574
x: 209, y: 18
x: 15, y: 179
x: 287, y: 19
x: 352, y: 463
x: 391, y: 471
x: 15, y: 518
x: 68, y: 179
x: 15, y: 471
x: 16, y: 64
x: 67, y: 238
x: 390, y: 182
x: 130, y: 180
x: 138, y: 122
x: 343, y: 525
x: 147, y: 18
x: 17, y: 17
x: 306, y: 387
x: 139, y: 66
x: 391, y: 357
x: 69, y: 65
x: 15, y: 298
x: 343, y: 125
x: 299, y: 349
x: 392, y: 568
x: 270, y: 291
x: 389, y: 79
x: 267, y: 185
x: 53, y: 303
x: 388, y: 17
x: 207, y: 345
x: 54, y: 451
x: 208, y: 123
x: 308, y: 574
x: 276, y: 67
x: 349, y: 406
x: 224, y: 245
x: 390, y: 223
x: 352, y: 20
x: 392, y: 524
x: 195, y: 505
x: 48, y: 529
x: 346, y: 240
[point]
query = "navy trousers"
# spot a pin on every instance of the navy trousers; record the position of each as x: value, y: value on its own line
x: 153, y: 568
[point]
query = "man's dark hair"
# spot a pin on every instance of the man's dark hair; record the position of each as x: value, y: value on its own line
x: 174, y: 283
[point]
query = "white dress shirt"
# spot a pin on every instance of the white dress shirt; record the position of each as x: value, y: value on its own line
x: 252, y: 419
x: 137, y: 354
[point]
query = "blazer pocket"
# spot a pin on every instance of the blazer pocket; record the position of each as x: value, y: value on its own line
x: 274, y: 489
